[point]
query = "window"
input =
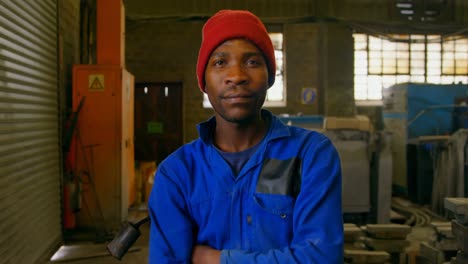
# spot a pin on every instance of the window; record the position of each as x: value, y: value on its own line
x: 382, y: 62
x: 276, y: 95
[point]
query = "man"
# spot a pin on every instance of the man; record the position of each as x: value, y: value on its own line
x: 250, y: 189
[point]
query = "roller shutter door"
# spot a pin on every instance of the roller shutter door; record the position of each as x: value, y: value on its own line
x: 30, y: 206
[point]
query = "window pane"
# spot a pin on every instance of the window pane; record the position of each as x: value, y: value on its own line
x: 403, y: 78
x: 375, y: 54
x: 448, y: 56
x: 360, y: 70
x: 462, y: 45
x: 389, y: 54
x: 389, y: 66
x: 448, y: 67
x: 461, y: 79
x: 277, y: 40
x: 360, y: 91
x: 387, y: 45
x: 417, y: 79
x: 433, y: 63
x: 375, y: 66
x: 275, y: 93
x: 461, y: 67
x: 403, y: 46
x: 375, y: 43
x: 360, y: 41
x: 448, y: 63
x: 360, y: 62
x: 417, y: 63
x: 376, y: 83
x: 434, y: 47
x: 417, y: 71
x: 388, y: 80
x: 417, y: 47
x: 360, y: 37
x: 403, y: 54
x: 433, y: 71
x: 461, y: 55
x: 447, y: 79
x: 433, y: 56
x: 416, y: 55
x: 403, y: 66
x: 448, y: 46
x: 433, y: 79
x: 360, y: 79
x: 360, y: 55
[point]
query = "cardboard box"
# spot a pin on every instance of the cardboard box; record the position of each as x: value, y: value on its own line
x: 358, y: 122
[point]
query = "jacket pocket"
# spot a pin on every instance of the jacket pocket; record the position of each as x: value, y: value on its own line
x: 273, y: 219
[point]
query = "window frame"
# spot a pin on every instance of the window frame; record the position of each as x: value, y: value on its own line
x: 422, y: 49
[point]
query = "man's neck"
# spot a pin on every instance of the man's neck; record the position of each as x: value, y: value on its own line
x: 234, y: 137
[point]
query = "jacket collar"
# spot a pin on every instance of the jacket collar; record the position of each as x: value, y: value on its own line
x: 277, y: 128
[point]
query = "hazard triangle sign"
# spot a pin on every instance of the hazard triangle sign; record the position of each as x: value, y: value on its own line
x: 96, y: 82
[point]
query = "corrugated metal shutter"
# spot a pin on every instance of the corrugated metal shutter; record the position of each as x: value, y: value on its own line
x: 30, y: 211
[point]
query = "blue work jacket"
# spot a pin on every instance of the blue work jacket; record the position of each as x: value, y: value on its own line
x: 283, y: 207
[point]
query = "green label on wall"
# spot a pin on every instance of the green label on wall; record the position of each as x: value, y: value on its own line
x: 155, y: 127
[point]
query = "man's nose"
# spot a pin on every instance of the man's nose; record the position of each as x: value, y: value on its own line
x: 236, y: 74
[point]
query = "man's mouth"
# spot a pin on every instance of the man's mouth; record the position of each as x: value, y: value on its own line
x: 238, y: 98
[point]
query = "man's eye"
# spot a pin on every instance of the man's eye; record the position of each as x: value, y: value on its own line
x: 218, y: 62
x: 253, y: 62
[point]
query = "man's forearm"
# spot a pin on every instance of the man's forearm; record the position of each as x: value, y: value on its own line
x: 205, y: 255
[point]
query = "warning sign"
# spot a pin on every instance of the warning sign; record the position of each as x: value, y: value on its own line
x: 96, y: 82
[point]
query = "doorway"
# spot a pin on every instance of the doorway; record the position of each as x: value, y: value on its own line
x: 158, y: 120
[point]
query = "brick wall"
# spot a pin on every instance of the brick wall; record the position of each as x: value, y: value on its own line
x: 68, y: 48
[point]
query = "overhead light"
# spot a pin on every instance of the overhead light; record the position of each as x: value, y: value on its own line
x: 406, y: 12
x: 431, y: 12
x: 404, y: 5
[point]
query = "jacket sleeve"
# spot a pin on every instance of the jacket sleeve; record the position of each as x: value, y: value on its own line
x: 318, y: 222
x: 171, y: 233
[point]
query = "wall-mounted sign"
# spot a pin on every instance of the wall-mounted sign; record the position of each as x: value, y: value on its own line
x: 154, y: 127
x: 308, y: 95
x: 96, y: 82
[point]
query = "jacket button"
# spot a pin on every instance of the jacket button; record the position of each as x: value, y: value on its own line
x: 283, y: 216
x: 249, y: 219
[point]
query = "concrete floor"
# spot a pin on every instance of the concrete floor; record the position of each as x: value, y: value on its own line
x: 93, y: 253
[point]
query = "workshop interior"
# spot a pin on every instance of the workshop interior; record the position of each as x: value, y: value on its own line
x: 96, y: 93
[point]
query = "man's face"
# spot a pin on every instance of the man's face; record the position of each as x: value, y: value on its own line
x: 236, y: 80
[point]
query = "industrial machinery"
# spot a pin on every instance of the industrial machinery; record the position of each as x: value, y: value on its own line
x: 412, y: 113
x: 366, y: 191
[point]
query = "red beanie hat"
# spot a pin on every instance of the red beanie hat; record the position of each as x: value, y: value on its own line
x: 229, y: 24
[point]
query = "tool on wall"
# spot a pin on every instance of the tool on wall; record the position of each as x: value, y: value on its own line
x: 71, y: 199
x: 71, y: 124
x: 80, y: 181
x: 127, y: 236
x: 91, y: 200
